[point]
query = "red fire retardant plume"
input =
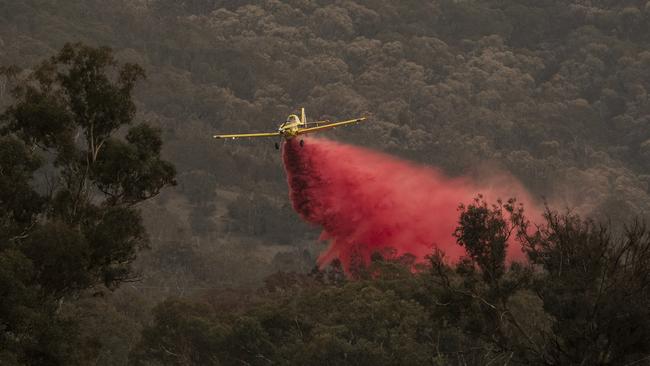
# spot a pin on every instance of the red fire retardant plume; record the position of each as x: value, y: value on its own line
x: 367, y: 201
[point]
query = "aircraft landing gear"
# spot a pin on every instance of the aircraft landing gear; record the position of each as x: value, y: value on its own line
x: 302, y: 143
x: 277, y: 146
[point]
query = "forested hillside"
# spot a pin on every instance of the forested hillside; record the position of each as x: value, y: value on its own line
x: 554, y: 92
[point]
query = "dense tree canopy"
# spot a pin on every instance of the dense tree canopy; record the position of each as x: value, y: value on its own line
x: 69, y: 188
x: 581, y: 299
x: 555, y: 92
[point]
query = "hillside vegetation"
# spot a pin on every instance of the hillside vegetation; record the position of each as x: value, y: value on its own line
x: 554, y: 92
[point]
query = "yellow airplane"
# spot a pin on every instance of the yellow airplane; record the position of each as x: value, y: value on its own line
x: 294, y: 126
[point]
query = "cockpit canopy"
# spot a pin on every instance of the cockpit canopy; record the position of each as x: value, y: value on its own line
x: 293, y: 119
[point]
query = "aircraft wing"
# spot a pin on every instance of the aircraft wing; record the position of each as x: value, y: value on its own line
x: 246, y: 135
x: 319, y: 122
x: 328, y: 126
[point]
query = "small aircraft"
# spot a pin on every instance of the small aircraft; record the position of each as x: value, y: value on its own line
x: 294, y: 126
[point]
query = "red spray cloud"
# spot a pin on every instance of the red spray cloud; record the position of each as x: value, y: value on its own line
x: 367, y: 201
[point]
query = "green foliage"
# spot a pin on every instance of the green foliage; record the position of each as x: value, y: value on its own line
x: 450, y: 83
x: 19, y: 202
x: 354, y: 324
x: 484, y: 233
x: 130, y: 172
x: 581, y: 299
x: 183, y: 335
x: 553, y: 91
x: 68, y: 189
x: 595, y: 288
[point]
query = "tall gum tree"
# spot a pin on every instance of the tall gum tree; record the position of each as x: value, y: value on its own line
x: 70, y: 186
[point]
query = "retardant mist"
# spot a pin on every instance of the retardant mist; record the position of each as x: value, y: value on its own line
x: 367, y: 201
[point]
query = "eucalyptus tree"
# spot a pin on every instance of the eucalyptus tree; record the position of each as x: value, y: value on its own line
x: 73, y: 168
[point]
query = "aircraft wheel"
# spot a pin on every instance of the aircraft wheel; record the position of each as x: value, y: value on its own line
x: 302, y: 143
x: 277, y: 146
